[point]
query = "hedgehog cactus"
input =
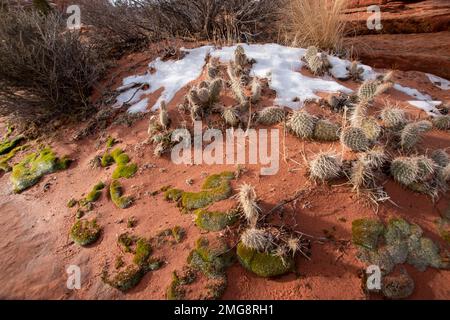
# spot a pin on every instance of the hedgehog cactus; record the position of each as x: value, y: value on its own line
x: 411, y: 133
x: 362, y: 174
x: 317, y: 63
x: 325, y: 166
x: 358, y: 113
x: 393, y: 118
x: 248, y: 203
x: 326, y: 131
x: 164, y: 119
x: 240, y: 58
x: 355, y: 72
x: 256, y: 90
x: 405, y: 170
x: 440, y: 157
x: 302, y: 124
x: 270, y: 115
x: 371, y: 88
x: 212, y: 71
x: 230, y: 116
x: 257, y: 239
x: 371, y: 128
x: 441, y: 122
x: 426, y: 168
x: 355, y: 139
x: 236, y: 86
x: 374, y: 158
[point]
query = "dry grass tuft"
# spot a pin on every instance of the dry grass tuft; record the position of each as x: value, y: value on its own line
x: 313, y: 23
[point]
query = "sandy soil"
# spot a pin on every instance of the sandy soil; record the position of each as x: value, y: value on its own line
x: 36, y: 249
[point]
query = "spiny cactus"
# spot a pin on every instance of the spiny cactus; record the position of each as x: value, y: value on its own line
x: 325, y: 166
x: 240, y: 58
x: 230, y: 116
x: 164, y: 119
x: 374, y: 158
x: 371, y: 88
x: 446, y: 173
x: 411, y: 134
x: 355, y: 72
x: 338, y: 102
x: 326, y: 131
x: 358, y: 113
x: 441, y: 122
x: 236, y: 86
x: 362, y: 175
x: 405, y: 170
x: 371, y: 128
x: 270, y: 115
x: 426, y: 168
x: 355, y: 139
x: 257, y: 239
x: 302, y: 124
x: 214, y: 90
x: 393, y: 118
x: 203, y: 95
x: 256, y: 90
x: 212, y: 71
x: 248, y: 203
x: 317, y: 64
x: 440, y: 157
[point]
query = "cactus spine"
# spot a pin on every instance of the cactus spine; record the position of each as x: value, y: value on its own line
x: 302, y: 124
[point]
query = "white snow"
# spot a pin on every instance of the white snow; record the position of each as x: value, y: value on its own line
x: 428, y: 106
x: 439, y: 82
x: 279, y: 64
x: 172, y: 75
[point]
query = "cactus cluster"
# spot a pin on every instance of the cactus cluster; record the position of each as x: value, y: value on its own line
x: 325, y: 130
x: 325, y: 166
x: 363, y: 170
x: 371, y: 128
x: 355, y: 139
x: 248, y: 203
x: 317, y: 63
x: 202, y: 98
x: 302, y: 124
x: 441, y: 122
x: 230, y: 116
x: 393, y: 118
x: 440, y: 157
x: 236, y: 83
x: 270, y: 115
x: 411, y: 133
x: 355, y: 72
x: 371, y: 88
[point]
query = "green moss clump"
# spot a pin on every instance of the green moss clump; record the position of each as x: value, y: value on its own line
x: 127, y: 242
x: 4, y: 166
x: 31, y: 169
x: 178, y: 233
x: 173, y: 194
x: 263, y: 264
x: 85, y: 232
x: 110, y: 142
x: 72, y: 203
x: 211, y: 260
x: 125, y: 171
x: 95, y: 193
x: 8, y: 145
x: 143, y: 252
x: 126, y: 279
x: 107, y: 160
x: 366, y: 232
x: 175, y: 291
x: 214, y: 221
x: 216, y: 187
x: 115, y: 190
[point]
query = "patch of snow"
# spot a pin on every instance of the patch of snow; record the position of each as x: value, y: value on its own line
x: 339, y: 69
x: 172, y: 75
x: 439, y: 82
x: 428, y: 106
x: 281, y: 65
x: 412, y: 92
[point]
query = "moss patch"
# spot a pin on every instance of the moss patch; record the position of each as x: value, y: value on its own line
x: 123, y: 169
x: 214, y: 221
x: 176, y: 290
x: 173, y: 194
x: 4, y: 166
x: 263, y: 264
x: 366, y: 232
x: 8, y: 145
x: 211, y: 260
x: 110, y: 142
x: 85, y: 232
x: 216, y: 187
x: 115, y: 190
x: 126, y: 279
x: 31, y: 169
x: 94, y: 194
x: 143, y: 252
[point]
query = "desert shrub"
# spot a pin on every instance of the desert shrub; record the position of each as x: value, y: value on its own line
x: 45, y: 70
x: 313, y: 23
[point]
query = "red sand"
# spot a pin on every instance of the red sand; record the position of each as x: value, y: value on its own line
x: 36, y: 248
